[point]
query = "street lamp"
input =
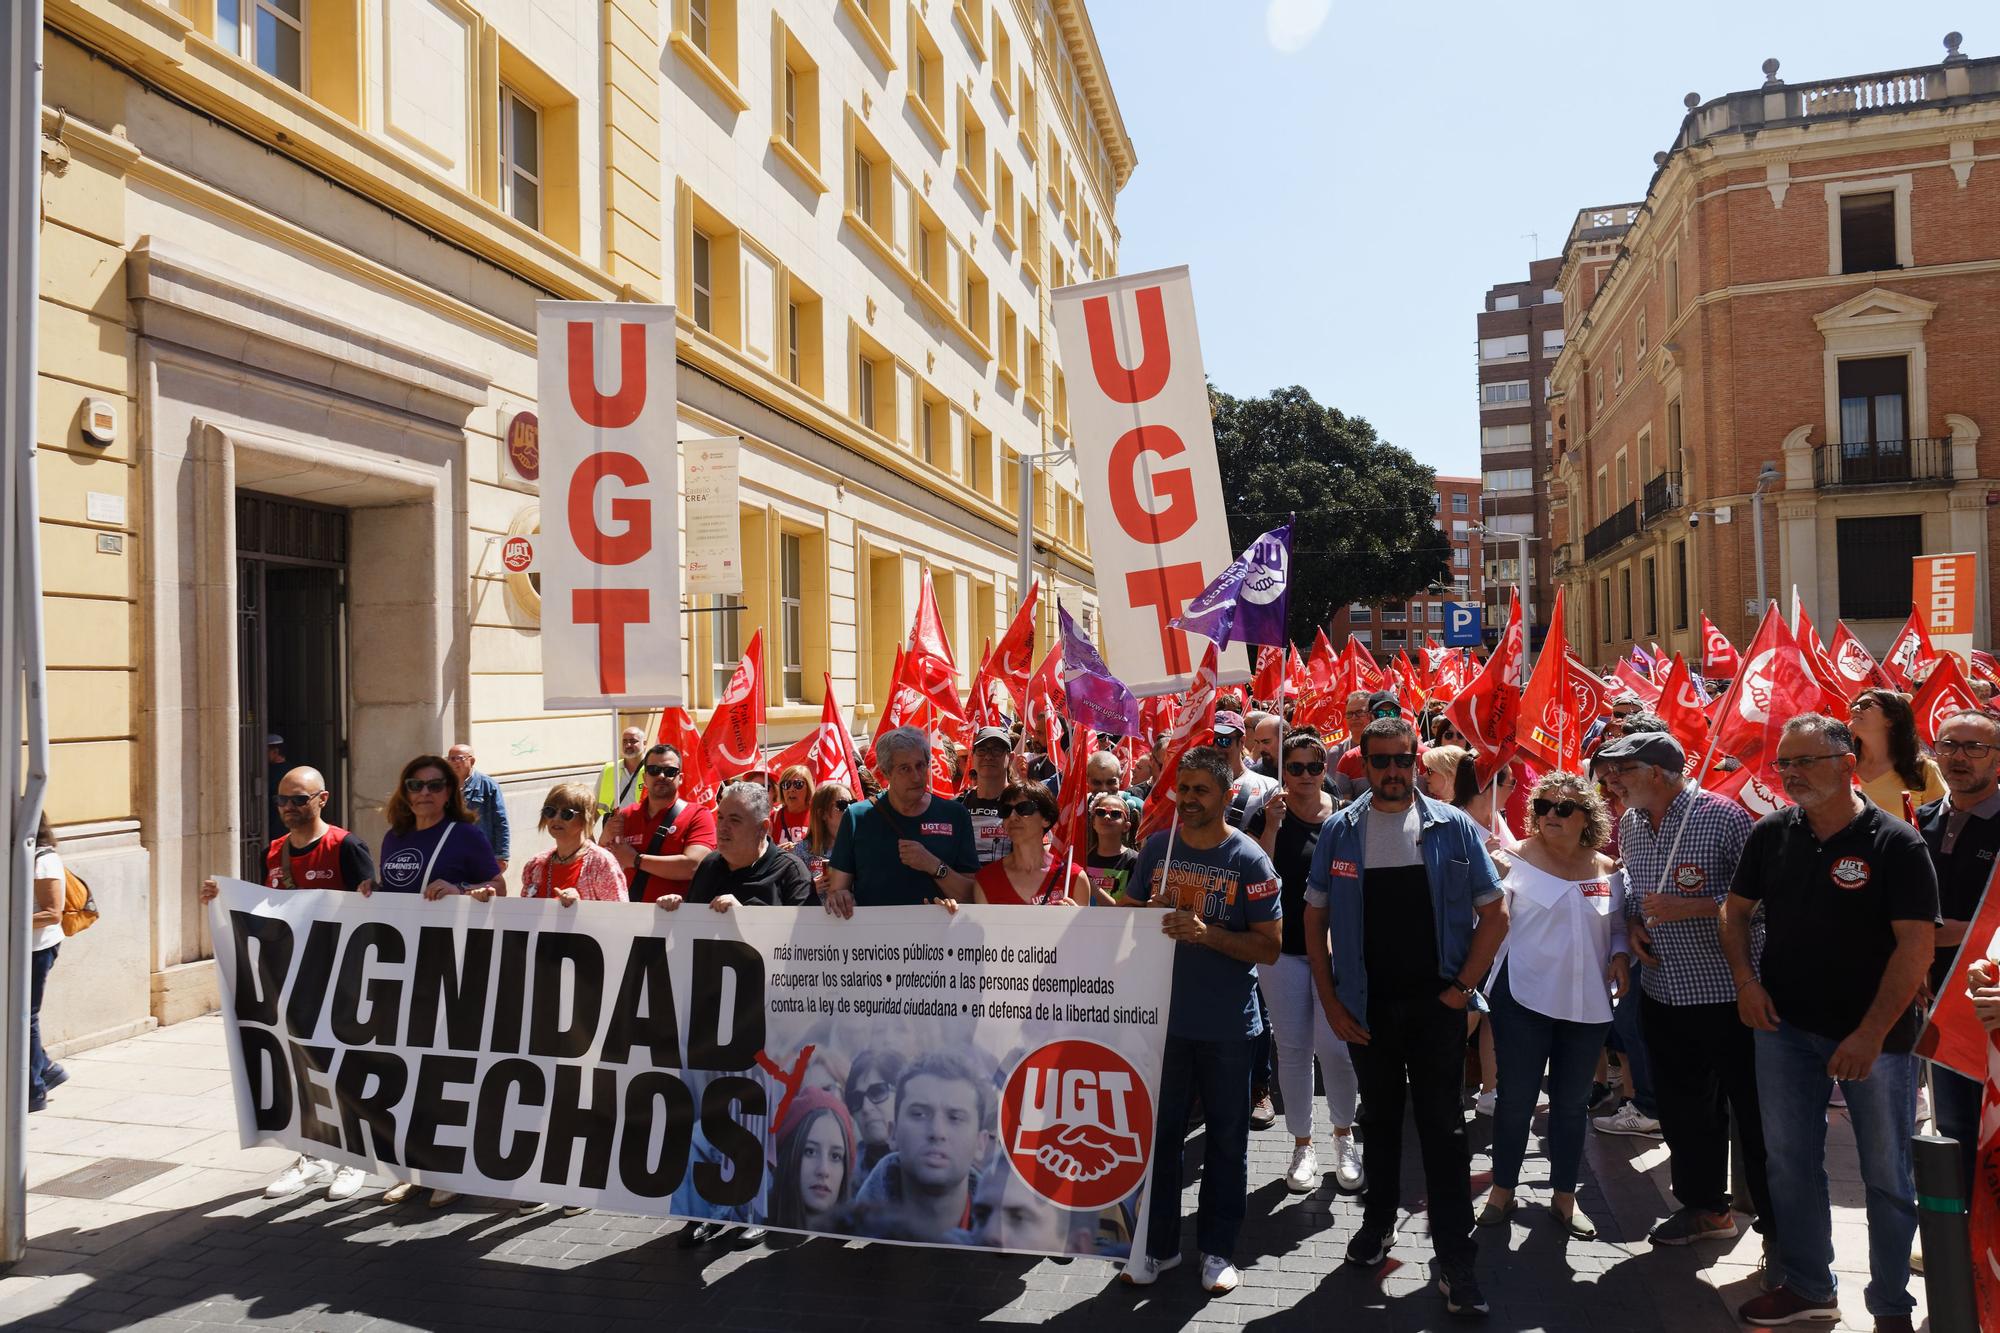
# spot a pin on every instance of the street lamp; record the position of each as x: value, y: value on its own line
x: 1024, y: 547
x: 1767, y: 476
x: 1520, y: 575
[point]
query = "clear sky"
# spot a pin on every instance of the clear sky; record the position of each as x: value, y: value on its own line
x: 1346, y: 180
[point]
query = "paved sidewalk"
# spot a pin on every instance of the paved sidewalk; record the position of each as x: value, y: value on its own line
x: 145, y: 1213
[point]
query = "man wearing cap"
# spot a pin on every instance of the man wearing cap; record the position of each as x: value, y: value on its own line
x: 1248, y: 789
x: 1681, y: 847
x: 991, y: 749
x: 1349, y: 769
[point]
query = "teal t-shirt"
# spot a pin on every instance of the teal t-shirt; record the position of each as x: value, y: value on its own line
x: 865, y: 847
x: 1234, y: 886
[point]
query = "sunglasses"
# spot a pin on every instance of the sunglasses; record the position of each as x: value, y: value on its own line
x: 1224, y: 742
x: 1787, y: 765
x: 842, y: 805
x: 1024, y: 809
x: 875, y: 1094
x: 1382, y: 761
x: 1544, y: 807
x: 1115, y: 816
x: 792, y: 784
x: 550, y: 812
x: 1861, y: 705
x: 1299, y: 770
x: 415, y: 785
x: 661, y: 771
x: 293, y: 802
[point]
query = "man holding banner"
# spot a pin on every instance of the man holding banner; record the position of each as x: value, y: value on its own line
x: 906, y: 846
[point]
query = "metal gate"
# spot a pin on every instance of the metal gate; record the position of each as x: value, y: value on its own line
x: 291, y: 670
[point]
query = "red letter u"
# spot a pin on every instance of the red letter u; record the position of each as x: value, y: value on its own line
x: 1156, y: 355
x: 622, y: 409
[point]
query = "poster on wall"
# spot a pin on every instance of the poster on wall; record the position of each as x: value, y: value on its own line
x: 1145, y: 453
x: 1946, y: 595
x: 986, y: 1079
x: 609, y: 553
x: 714, y: 529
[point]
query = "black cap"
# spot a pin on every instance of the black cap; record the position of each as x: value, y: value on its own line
x: 1000, y: 734
x: 1381, y: 700
x: 1646, y: 747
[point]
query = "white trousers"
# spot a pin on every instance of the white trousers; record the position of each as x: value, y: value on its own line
x: 1299, y: 1031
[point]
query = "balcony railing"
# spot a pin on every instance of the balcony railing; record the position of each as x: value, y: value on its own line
x: 1662, y: 497
x: 1611, y: 531
x: 1883, y: 462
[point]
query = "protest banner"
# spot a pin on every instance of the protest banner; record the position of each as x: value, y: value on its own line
x: 714, y: 525
x: 610, y: 468
x: 1145, y: 454
x: 1945, y: 591
x: 713, y: 1066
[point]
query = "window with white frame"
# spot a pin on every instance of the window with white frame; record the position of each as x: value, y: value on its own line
x: 1552, y: 343
x: 1504, y: 480
x: 1496, y: 439
x: 520, y: 158
x: 726, y: 641
x: 271, y: 34
x: 1500, y: 349
x: 1504, y: 391
x: 701, y: 275
x: 1507, y: 302
x: 792, y: 613
x: 1461, y: 503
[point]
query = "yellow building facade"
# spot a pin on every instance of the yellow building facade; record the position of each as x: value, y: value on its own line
x: 291, y: 253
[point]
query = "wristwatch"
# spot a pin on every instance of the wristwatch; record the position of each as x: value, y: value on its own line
x: 1467, y: 991
x: 941, y: 871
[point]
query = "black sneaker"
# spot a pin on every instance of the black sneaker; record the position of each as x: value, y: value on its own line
x: 698, y: 1233
x: 54, y: 1076
x: 1460, y: 1288
x: 1689, y: 1225
x: 1370, y: 1245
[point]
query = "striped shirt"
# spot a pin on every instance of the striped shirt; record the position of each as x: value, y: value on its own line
x: 1692, y: 969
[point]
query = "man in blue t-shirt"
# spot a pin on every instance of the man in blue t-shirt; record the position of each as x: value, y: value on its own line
x: 1223, y: 909
x: 906, y: 847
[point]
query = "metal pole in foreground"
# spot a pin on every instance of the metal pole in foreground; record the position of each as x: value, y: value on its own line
x: 1943, y: 1222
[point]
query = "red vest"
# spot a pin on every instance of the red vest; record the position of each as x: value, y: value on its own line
x: 316, y: 869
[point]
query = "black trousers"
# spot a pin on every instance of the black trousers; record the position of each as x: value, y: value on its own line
x: 1416, y: 1045
x: 1705, y: 1069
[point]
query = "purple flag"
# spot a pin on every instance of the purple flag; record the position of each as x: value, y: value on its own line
x: 1248, y: 600
x: 1097, y: 699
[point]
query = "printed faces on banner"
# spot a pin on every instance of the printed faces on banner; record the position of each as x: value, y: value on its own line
x: 610, y: 546
x: 1145, y: 450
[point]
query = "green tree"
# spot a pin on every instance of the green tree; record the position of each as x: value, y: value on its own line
x: 1365, y: 529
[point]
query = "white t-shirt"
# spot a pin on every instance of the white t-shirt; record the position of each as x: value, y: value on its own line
x: 1561, y: 934
x: 47, y: 866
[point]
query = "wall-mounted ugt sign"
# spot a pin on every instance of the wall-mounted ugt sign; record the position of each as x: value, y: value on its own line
x: 610, y: 544
x: 1145, y: 450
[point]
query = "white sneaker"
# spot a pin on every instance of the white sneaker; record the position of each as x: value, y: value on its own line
x: 1143, y: 1270
x: 1627, y: 1120
x: 1923, y: 1105
x: 1218, y: 1274
x: 1302, y: 1177
x: 1348, y: 1175
x: 1483, y: 1103
x: 347, y: 1182
x: 305, y: 1172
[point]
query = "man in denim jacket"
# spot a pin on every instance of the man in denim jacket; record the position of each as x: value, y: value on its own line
x: 1403, y: 918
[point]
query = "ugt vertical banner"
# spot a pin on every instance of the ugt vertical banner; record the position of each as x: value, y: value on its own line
x: 1145, y: 450
x: 1946, y: 596
x: 610, y: 549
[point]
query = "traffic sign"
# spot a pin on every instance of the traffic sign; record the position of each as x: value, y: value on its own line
x: 1462, y: 624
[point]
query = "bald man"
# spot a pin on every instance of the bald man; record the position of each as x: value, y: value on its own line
x: 623, y: 780
x: 313, y: 854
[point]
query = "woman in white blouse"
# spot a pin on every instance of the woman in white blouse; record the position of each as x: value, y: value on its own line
x: 1564, y: 960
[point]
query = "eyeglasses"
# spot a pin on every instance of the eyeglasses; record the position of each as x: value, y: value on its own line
x: 1299, y: 770
x: 296, y: 801
x: 1945, y: 749
x: 792, y: 784
x: 1787, y: 765
x: 874, y: 1094
x: 550, y: 812
x: 1544, y: 807
x: 415, y: 785
x: 1114, y: 816
x: 661, y: 771
x: 1382, y: 761
x: 1024, y: 809
x: 1861, y: 705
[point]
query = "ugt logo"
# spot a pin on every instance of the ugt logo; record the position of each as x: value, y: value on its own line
x: 1077, y: 1121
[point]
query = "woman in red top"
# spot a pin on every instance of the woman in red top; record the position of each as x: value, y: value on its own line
x: 1028, y: 813
x: 791, y: 820
x: 578, y: 868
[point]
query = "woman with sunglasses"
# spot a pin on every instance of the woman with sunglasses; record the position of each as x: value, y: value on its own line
x: 1112, y: 857
x: 1564, y: 960
x: 577, y: 868
x: 1028, y: 813
x: 829, y: 805
x: 870, y: 1093
x: 1288, y: 828
x: 1891, y: 768
x: 791, y: 821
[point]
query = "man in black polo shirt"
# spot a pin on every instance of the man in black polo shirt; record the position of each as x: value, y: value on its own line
x: 1850, y: 909
x: 1963, y: 832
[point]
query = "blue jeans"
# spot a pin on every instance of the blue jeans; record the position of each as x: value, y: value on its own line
x: 1526, y: 1043
x: 1220, y: 1072
x: 1792, y: 1088
x: 1627, y: 1039
x: 1955, y: 1104
x: 38, y: 981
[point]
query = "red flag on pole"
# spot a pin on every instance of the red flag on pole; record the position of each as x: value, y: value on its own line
x: 1194, y: 726
x: 1069, y: 840
x: 1944, y: 692
x: 1044, y: 699
x: 1775, y: 686
x: 1636, y: 681
x: 697, y: 786
x: 1854, y: 666
x: 984, y: 707
x: 1680, y: 707
x: 1014, y: 655
x: 1361, y: 667
x: 928, y: 665
x: 729, y: 741
x: 1718, y: 655
x: 1320, y: 662
x: 1552, y: 721
x: 1833, y: 692
x: 1911, y: 649
x: 1269, y: 678
x: 1295, y: 672
x: 1487, y: 709
x: 827, y: 751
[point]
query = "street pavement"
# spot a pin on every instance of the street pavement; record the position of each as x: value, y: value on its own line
x: 145, y: 1213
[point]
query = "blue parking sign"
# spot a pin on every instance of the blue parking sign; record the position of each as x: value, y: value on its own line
x: 1463, y: 624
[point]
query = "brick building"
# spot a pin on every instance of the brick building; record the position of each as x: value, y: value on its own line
x: 1384, y: 626
x: 1520, y: 337
x: 1805, y: 292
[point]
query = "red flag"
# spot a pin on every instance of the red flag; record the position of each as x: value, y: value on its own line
x: 1718, y: 655
x: 1319, y: 663
x: 1636, y: 681
x: 1985, y: 667
x: 1943, y: 693
x: 1069, y: 840
x: 1361, y: 667
x: 1911, y: 650
x: 730, y: 739
x: 827, y: 751
x: 928, y: 665
x: 1552, y: 723
x: 1269, y: 678
x: 1194, y: 726
x: 1295, y: 672
x: 1487, y: 709
x: 1775, y: 686
x: 1760, y: 794
x: 897, y: 705
x: 1680, y: 707
x: 1014, y: 655
x: 1044, y: 696
x: 698, y: 785
x: 986, y: 705
x: 1156, y: 715
x: 1833, y: 694
x: 1854, y: 666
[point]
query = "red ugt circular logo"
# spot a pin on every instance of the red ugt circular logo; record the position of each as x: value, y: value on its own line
x: 1077, y: 1122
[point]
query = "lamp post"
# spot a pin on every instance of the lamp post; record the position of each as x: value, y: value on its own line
x: 1521, y: 582
x: 1024, y: 547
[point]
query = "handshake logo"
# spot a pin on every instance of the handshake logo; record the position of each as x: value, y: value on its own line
x: 1077, y: 1121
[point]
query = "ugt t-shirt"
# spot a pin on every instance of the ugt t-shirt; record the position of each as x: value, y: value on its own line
x: 988, y: 825
x: 1233, y: 886
x: 866, y: 848
x: 466, y: 858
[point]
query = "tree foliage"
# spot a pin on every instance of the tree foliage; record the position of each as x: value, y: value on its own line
x: 1365, y: 527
